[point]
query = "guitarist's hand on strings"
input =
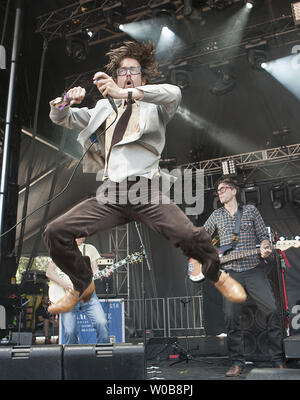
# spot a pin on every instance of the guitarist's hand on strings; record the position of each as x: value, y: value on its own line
x: 107, y: 274
x: 265, y: 249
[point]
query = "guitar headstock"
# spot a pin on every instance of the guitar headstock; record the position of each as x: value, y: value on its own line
x: 134, y: 257
x: 286, y: 244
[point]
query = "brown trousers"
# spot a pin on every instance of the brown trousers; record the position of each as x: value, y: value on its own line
x: 96, y: 214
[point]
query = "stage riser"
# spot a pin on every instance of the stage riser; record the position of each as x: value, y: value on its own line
x: 273, y: 374
x: 73, y: 362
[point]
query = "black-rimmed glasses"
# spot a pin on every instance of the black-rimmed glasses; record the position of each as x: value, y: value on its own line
x: 133, y: 70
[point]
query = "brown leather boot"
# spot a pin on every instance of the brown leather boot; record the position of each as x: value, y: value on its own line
x: 70, y: 299
x: 230, y: 288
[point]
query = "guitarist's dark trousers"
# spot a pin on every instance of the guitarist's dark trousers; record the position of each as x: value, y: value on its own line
x: 258, y: 287
x: 97, y: 214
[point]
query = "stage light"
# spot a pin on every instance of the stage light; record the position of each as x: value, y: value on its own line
x: 181, y: 78
x: 166, y: 14
x: 278, y: 195
x: 257, y: 58
x: 251, y: 195
x: 77, y: 49
x: 228, y: 168
x: 296, y: 12
x: 189, y: 11
x: 286, y: 71
x: 113, y: 14
x: 249, y: 4
x: 294, y: 194
x: 220, y: 4
x: 225, y: 80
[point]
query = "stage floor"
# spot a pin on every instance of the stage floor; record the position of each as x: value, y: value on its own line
x: 200, y: 368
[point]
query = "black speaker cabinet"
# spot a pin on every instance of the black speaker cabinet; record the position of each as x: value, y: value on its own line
x: 118, y: 361
x: 31, y: 362
x: 273, y: 374
x: 106, y: 287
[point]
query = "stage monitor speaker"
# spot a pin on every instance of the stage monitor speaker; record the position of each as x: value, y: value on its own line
x: 118, y: 361
x: 292, y: 346
x: 31, y: 362
x: 273, y: 374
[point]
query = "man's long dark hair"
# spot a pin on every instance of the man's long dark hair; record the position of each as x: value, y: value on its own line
x: 142, y: 52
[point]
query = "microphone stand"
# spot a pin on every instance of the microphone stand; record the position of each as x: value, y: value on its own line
x: 20, y: 309
x: 143, y: 290
x: 107, y: 305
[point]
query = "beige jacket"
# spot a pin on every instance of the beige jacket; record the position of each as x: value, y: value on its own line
x: 137, y: 154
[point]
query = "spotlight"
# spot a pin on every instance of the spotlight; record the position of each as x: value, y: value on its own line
x: 181, y: 78
x: 191, y: 12
x: 294, y: 194
x: 296, y: 12
x: 113, y: 14
x: 256, y: 54
x: 77, y: 49
x: 220, y: 4
x: 249, y: 4
x: 229, y: 168
x: 257, y: 59
x: 114, y: 20
x: 251, y: 195
x: 165, y: 13
x: 225, y: 79
x: 278, y: 195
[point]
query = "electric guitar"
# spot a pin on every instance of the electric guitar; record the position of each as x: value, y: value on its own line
x: 195, y: 268
x: 56, y: 292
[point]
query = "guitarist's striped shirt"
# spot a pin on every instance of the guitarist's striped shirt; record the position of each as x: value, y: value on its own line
x: 252, y: 232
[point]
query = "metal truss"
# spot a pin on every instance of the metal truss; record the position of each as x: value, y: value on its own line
x: 279, y: 163
x: 274, y: 33
x: 88, y: 14
x: 92, y: 14
x: 213, y: 49
x: 119, y: 245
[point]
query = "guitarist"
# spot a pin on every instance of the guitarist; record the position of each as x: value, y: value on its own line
x: 92, y: 309
x: 246, y: 271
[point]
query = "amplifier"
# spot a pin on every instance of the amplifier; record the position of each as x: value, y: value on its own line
x: 124, y: 361
x: 105, y: 261
x: 31, y: 362
x: 292, y: 346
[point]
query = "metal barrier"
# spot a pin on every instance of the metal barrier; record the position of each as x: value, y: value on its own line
x: 153, y: 317
x: 183, y: 315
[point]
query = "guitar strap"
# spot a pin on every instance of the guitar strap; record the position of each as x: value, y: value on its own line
x: 236, y: 232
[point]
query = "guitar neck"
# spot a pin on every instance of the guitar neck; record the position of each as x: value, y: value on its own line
x: 237, y: 256
x: 115, y: 266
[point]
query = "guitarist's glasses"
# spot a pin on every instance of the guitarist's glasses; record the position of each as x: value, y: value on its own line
x: 223, y: 189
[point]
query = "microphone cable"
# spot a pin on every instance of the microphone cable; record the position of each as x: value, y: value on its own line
x: 71, y: 177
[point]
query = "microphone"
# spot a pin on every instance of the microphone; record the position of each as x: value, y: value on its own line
x: 112, y: 103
